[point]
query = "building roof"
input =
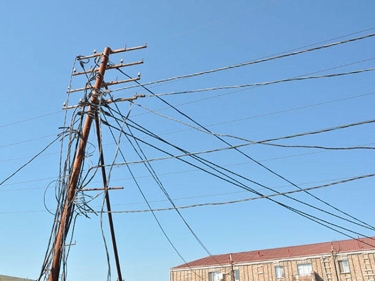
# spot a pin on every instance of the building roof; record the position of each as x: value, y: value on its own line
x: 343, y: 246
x: 11, y: 278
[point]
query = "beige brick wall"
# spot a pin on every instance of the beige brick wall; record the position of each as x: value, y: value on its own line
x: 362, y: 268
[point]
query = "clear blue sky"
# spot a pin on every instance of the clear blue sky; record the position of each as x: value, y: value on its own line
x: 39, y: 41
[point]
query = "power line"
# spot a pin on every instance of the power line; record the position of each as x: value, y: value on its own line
x: 317, y: 220
x: 141, y: 154
x: 221, y: 175
x: 266, y: 142
x: 295, y: 108
x: 265, y: 83
x: 250, y: 117
x: 250, y: 199
x: 343, y: 181
x: 28, y: 162
x: 26, y: 141
x: 29, y: 119
x: 293, y: 53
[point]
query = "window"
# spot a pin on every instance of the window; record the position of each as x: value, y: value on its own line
x: 215, y: 276
x: 279, y: 271
x: 304, y: 269
x: 344, y: 266
x: 236, y: 275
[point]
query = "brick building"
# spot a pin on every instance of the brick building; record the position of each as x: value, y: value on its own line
x: 346, y: 260
x: 12, y: 278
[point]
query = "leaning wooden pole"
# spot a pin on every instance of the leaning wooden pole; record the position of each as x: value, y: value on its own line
x: 68, y: 210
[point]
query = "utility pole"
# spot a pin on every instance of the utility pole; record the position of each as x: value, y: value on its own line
x: 92, y: 115
x: 232, y: 277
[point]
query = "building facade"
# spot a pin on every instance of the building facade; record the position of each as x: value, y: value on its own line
x: 12, y: 278
x: 346, y: 260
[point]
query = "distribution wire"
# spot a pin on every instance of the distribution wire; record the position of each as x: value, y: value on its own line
x: 296, y: 108
x: 248, y: 199
x: 152, y: 172
x: 254, y: 116
x: 265, y: 83
x: 148, y: 160
x: 137, y: 184
x: 266, y: 142
x: 287, y: 110
x: 203, y: 160
x: 271, y: 58
x: 31, y: 160
x: 235, y: 182
x: 247, y: 156
x: 299, y: 201
x: 343, y: 181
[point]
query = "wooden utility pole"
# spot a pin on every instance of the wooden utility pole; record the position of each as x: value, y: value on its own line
x: 66, y: 215
x: 232, y: 277
x: 92, y: 114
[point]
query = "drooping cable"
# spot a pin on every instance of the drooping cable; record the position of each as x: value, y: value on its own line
x: 235, y: 182
x: 248, y: 199
x: 265, y: 83
x: 267, y: 141
x: 145, y: 198
x: 271, y: 58
x: 31, y: 160
x: 152, y: 172
x: 247, y: 156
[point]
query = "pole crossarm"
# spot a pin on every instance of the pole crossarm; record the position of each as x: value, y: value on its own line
x: 125, y: 49
x: 109, y: 67
x: 106, y: 84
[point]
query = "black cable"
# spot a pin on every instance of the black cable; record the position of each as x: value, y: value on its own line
x: 247, y: 156
x: 31, y: 160
x: 152, y: 172
x: 257, y: 84
x: 266, y: 142
x: 268, y: 188
x: 271, y: 58
x: 245, y: 187
x: 249, y: 199
x: 147, y: 202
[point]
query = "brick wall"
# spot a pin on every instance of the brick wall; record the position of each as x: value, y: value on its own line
x: 359, y: 266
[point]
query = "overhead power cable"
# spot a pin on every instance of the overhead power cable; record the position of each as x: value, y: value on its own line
x: 31, y: 160
x: 194, y: 153
x: 219, y: 169
x: 321, y: 147
x: 29, y: 119
x: 216, y: 203
x: 249, y: 199
x: 284, y: 55
x: 265, y: 83
x: 249, y: 142
x: 26, y: 141
x: 273, y: 172
x: 296, y: 108
x: 230, y: 179
x: 148, y: 166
